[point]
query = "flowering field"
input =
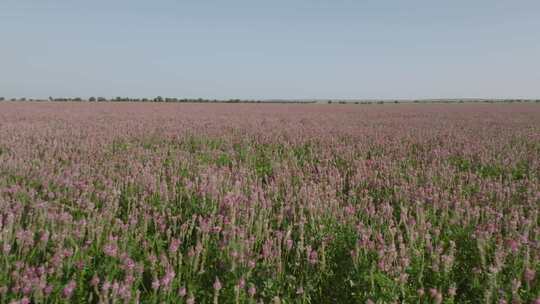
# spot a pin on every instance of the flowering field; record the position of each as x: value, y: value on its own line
x: 194, y: 203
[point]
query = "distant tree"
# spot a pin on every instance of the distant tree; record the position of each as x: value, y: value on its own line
x: 77, y: 99
x: 158, y: 99
x: 22, y: 99
x: 2, y: 98
x: 92, y: 99
x: 13, y: 99
x: 101, y: 99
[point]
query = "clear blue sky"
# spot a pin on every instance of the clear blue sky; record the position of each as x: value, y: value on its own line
x: 270, y: 49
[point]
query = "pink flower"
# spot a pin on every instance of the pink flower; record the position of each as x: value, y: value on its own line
x: 80, y: 264
x: 529, y: 275
x: 252, y: 291
x: 173, y: 246
x: 182, y: 291
x: 95, y: 280
x: 111, y: 250
x: 6, y: 248
x: 289, y: 244
x: 48, y: 289
x: 313, y: 257
x: 438, y: 298
x: 106, y: 286
x: 513, y: 244
x: 251, y: 264
x: 217, y: 284
x: 169, y: 276
x: 67, y: 292
x: 129, y: 264
x: 241, y: 283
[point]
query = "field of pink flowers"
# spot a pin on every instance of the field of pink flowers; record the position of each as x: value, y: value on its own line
x: 220, y: 203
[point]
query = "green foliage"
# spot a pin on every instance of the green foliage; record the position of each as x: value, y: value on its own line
x: 339, y: 268
x: 119, y: 146
x: 224, y: 160
x: 521, y: 170
x: 490, y: 171
x: 263, y: 164
x: 462, y: 164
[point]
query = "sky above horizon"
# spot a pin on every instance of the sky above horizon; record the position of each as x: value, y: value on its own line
x: 270, y: 49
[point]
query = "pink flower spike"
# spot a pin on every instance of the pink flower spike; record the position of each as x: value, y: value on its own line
x: 217, y: 284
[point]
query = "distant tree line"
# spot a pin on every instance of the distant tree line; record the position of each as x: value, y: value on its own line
x: 131, y: 99
x: 203, y: 100
x: 155, y: 99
